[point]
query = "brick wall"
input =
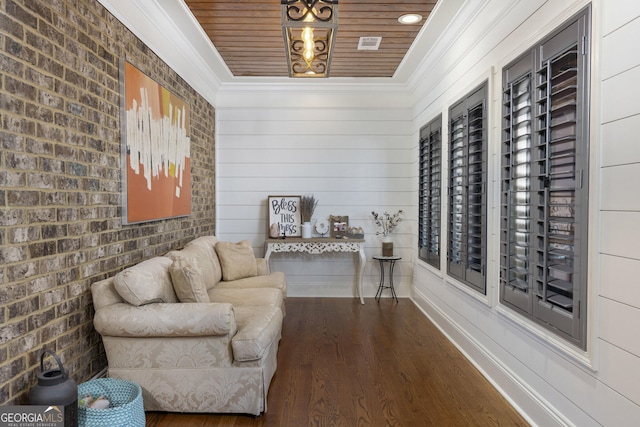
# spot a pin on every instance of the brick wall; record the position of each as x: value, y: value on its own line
x: 60, y: 202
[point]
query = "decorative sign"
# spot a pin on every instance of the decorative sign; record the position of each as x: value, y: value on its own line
x: 284, y: 215
x: 155, y: 149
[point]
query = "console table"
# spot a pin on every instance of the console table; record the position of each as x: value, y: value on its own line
x: 319, y: 245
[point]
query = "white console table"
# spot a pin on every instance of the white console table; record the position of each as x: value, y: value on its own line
x: 319, y: 245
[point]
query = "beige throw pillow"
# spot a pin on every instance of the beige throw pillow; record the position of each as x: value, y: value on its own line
x: 237, y: 260
x: 146, y: 282
x: 188, y: 282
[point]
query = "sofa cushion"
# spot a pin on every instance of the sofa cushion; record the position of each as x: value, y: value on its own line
x: 258, y: 328
x: 208, y: 244
x: 146, y: 282
x: 249, y: 297
x: 203, y: 258
x: 188, y: 282
x: 262, y: 266
x: 275, y: 280
x: 237, y: 260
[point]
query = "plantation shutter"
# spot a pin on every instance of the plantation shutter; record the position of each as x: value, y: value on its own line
x: 544, y: 189
x: 467, y: 189
x: 561, y: 157
x: 430, y: 192
x: 516, y: 184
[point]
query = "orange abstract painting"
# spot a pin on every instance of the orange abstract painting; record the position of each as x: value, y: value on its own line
x: 157, y: 143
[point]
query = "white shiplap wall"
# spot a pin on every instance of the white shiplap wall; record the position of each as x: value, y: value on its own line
x: 552, y: 383
x: 350, y: 150
x: 619, y: 195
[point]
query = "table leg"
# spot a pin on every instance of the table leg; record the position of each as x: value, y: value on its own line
x: 363, y: 260
x: 267, y: 257
x: 393, y: 290
x: 381, y: 285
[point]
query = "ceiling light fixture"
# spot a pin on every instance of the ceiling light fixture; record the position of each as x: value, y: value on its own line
x: 410, y: 18
x: 309, y: 28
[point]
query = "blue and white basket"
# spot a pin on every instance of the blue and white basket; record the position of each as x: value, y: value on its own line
x: 126, y: 408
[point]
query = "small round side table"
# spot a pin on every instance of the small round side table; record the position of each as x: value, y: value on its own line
x: 392, y: 262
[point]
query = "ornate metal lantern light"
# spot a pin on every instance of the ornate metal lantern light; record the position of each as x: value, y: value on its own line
x: 309, y: 28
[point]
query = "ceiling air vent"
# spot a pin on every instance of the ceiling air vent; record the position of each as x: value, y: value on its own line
x: 369, y: 43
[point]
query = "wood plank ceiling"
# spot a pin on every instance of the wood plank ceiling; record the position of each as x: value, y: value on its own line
x: 248, y: 35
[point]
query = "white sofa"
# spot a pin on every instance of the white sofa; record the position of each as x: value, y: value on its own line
x: 198, y: 329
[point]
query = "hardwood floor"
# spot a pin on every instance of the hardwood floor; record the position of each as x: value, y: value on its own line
x: 341, y: 363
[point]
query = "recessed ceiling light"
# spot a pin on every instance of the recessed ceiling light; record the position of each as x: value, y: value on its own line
x: 410, y: 18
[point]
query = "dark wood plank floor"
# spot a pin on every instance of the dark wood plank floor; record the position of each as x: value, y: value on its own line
x: 379, y: 364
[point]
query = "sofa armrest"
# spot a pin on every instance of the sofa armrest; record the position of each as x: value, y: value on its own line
x: 262, y: 267
x: 166, y: 320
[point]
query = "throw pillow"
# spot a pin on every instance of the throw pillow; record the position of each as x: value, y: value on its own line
x: 145, y: 283
x: 188, y: 282
x: 203, y: 258
x: 237, y: 260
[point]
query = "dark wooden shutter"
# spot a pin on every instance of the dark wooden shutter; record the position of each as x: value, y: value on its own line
x: 467, y: 223
x: 544, y: 209
x: 429, y: 226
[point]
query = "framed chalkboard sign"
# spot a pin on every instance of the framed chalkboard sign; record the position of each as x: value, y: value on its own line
x: 284, y: 216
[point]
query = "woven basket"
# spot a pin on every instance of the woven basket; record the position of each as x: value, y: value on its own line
x: 126, y: 407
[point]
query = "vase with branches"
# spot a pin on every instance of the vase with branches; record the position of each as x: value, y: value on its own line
x: 386, y: 223
x: 308, y: 205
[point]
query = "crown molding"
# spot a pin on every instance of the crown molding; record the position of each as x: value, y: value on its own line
x: 447, y: 16
x: 172, y: 32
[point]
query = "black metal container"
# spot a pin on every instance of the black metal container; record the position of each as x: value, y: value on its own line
x: 55, y: 388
